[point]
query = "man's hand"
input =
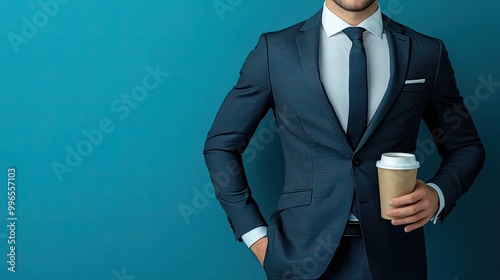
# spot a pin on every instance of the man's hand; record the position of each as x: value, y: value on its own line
x: 259, y: 249
x: 414, y: 209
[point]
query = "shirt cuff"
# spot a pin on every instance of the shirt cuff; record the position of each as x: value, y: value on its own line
x: 254, y: 235
x: 434, y: 219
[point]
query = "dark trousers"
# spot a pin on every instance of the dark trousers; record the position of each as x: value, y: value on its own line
x: 349, y: 262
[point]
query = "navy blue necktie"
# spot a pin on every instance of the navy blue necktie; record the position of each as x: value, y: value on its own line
x: 358, y: 86
x: 358, y: 93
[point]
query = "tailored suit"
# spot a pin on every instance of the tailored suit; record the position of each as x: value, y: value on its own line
x: 322, y: 171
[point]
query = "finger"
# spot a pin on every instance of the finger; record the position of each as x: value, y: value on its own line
x: 406, y: 211
x: 410, y: 219
x: 411, y: 198
x: 417, y: 224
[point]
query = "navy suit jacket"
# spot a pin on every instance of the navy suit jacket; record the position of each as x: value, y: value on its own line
x: 322, y: 171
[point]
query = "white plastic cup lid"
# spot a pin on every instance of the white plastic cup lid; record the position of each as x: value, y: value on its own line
x: 398, y: 161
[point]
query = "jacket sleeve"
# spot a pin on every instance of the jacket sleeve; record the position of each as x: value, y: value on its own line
x: 455, y: 136
x: 238, y: 117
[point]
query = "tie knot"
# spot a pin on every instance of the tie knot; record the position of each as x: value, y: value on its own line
x: 354, y: 33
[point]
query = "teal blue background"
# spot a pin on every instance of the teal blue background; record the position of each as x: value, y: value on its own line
x: 116, y: 215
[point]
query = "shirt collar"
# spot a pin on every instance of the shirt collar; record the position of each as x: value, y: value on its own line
x: 332, y: 24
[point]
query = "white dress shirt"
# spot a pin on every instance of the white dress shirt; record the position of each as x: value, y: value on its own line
x: 334, y: 51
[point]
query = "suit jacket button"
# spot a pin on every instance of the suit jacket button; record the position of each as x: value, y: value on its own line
x: 357, y: 162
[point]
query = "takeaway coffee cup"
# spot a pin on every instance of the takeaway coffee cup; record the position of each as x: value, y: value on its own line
x: 397, y: 174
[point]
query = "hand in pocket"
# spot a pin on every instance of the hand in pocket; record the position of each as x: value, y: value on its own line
x: 259, y: 249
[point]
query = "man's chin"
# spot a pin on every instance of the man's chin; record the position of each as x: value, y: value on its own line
x: 354, y: 6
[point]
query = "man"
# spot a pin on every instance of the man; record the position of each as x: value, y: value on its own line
x: 345, y: 86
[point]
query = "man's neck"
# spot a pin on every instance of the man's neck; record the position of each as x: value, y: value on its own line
x: 352, y: 18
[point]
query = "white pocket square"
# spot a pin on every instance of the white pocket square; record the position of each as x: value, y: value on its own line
x: 412, y: 82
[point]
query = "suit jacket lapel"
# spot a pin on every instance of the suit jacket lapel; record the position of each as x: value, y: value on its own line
x: 399, y: 49
x: 308, y: 47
